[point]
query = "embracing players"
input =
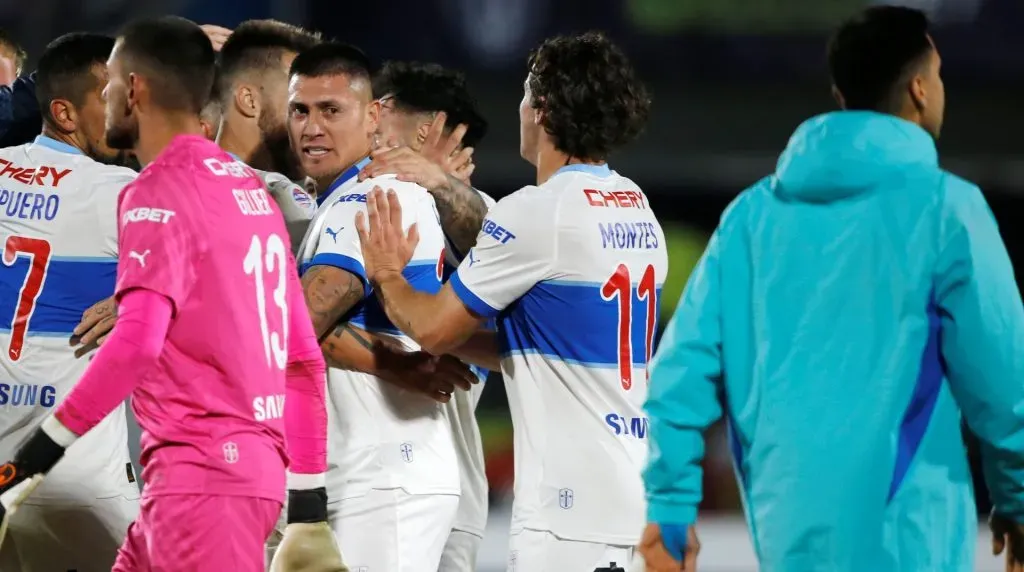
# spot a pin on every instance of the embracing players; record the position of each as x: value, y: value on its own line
x: 573, y: 266
x: 203, y: 259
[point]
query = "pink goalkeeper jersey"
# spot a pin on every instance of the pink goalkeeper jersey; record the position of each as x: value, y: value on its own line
x: 199, y: 227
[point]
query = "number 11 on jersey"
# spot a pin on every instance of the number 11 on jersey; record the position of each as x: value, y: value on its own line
x: 620, y: 286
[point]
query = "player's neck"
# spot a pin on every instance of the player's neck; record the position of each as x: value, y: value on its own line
x: 157, y: 133
x: 324, y: 183
x: 68, y: 138
x: 247, y: 146
x: 551, y: 160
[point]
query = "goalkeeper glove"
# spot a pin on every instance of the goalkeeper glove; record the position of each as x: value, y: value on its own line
x: 18, y: 478
x: 308, y: 544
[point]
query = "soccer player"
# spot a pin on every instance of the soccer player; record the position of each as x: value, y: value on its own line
x: 847, y: 308
x: 393, y: 475
x: 58, y: 216
x: 211, y: 337
x: 417, y: 101
x: 252, y: 88
x: 572, y: 268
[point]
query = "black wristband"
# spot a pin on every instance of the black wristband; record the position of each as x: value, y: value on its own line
x: 38, y: 455
x: 307, y: 505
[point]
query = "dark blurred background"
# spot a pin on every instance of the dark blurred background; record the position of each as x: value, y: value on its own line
x: 731, y: 79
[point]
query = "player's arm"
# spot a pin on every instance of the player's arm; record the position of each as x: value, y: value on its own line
x: 440, y: 168
x: 682, y: 402
x: 305, y: 414
x: 506, y: 264
x: 154, y: 276
x: 330, y: 292
x: 98, y: 320
x: 134, y: 348
x: 353, y: 348
x: 982, y: 336
x: 462, y: 210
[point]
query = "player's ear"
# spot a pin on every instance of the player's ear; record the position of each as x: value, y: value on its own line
x: 134, y: 91
x: 918, y: 92
x: 64, y: 115
x: 373, y: 116
x: 246, y: 101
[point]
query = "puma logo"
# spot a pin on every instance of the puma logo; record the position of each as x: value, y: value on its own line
x: 333, y: 233
x: 140, y: 257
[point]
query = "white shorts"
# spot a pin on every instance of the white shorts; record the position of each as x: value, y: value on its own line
x: 60, y: 537
x: 460, y: 552
x: 391, y: 530
x: 541, y: 551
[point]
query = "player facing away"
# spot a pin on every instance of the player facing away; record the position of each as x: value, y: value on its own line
x: 203, y: 259
x: 417, y: 102
x: 393, y: 477
x: 252, y: 91
x: 845, y: 312
x: 571, y: 268
x: 58, y: 218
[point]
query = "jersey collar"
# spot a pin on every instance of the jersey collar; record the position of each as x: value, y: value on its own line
x: 343, y: 178
x: 602, y: 170
x: 57, y: 145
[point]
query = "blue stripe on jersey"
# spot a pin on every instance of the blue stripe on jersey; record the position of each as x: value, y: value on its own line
x: 572, y: 323
x: 71, y: 285
x: 421, y: 275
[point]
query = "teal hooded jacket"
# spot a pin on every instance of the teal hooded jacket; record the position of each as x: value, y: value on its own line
x: 847, y: 309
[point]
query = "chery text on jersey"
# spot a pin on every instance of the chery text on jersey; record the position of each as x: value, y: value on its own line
x: 572, y: 271
x: 58, y: 227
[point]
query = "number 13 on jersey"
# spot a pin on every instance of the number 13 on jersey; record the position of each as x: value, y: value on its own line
x: 272, y: 259
x: 620, y: 286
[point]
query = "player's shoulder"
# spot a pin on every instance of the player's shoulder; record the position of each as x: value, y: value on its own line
x: 408, y: 193
x: 283, y: 188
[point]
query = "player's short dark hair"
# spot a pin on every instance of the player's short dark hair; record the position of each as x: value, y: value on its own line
x: 429, y: 88
x: 8, y: 43
x: 257, y: 46
x: 871, y: 55
x: 177, y: 58
x: 591, y: 98
x: 332, y: 58
x: 65, y: 69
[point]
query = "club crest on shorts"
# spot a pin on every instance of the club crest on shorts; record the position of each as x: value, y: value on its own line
x: 230, y: 450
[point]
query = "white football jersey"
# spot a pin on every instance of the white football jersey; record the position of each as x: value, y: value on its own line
x: 297, y: 207
x: 58, y: 217
x: 382, y: 437
x: 572, y: 270
x: 473, y: 504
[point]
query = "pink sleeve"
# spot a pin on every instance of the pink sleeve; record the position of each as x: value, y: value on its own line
x: 133, y: 347
x: 305, y: 403
x: 157, y: 243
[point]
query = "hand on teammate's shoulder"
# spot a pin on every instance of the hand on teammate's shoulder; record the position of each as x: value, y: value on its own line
x: 439, y: 157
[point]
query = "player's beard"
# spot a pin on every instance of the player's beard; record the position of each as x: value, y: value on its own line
x: 123, y: 135
x: 279, y: 148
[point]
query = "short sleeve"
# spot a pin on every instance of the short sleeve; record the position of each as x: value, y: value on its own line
x: 159, y: 244
x: 107, y: 189
x: 297, y: 207
x: 514, y: 251
x: 338, y: 241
